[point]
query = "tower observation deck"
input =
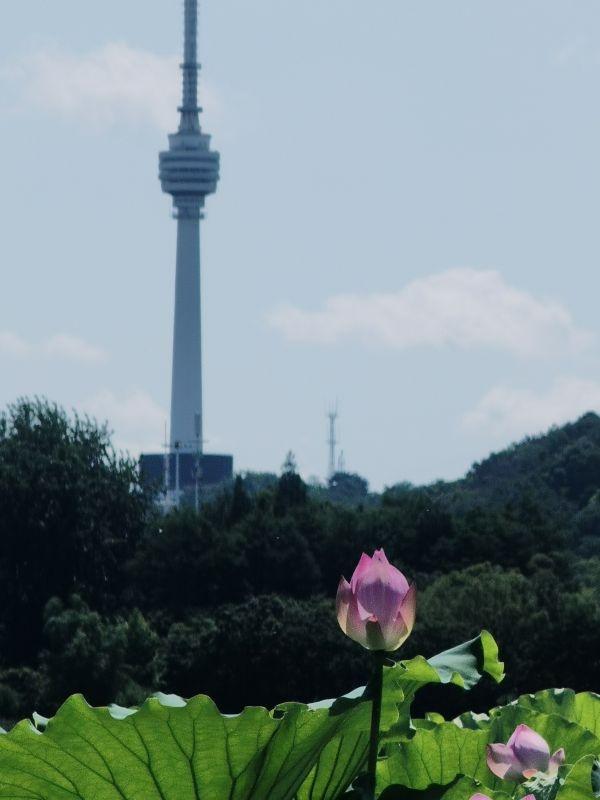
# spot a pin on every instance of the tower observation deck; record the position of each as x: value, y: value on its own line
x: 189, y: 172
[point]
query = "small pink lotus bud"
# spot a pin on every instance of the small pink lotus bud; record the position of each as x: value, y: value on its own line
x: 524, y: 755
x: 377, y: 608
x: 479, y: 796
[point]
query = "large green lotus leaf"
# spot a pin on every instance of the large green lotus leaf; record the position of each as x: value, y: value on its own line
x: 582, y: 708
x: 341, y: 759
x: 435, y: 757
x: 440, y: 754
x: 576, y: 782
x: 473, y: 721
x: 180, y: 751
x: 463, y: 666
x: 337, y: 766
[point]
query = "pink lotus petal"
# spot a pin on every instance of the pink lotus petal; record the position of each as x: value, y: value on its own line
x: 503, y: 762
x: 394, y: 633
x: 525, y: 737
x: 379, y: 555
x: 342, y: 601
x: 356, y: 628
x: 408, y: 609
x: 557, y: 760
x: 380, y: 591
x: 395, y: 576
x: 530, y: 748
x: 361, y: 567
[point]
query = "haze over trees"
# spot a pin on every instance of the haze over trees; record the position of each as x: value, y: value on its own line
x: 101, y: 594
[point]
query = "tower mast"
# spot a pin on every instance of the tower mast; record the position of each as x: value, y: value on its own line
x: 189, y: 171
x: 332, y: 441
x: 189, y: 108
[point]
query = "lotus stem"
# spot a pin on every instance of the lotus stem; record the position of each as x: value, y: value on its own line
x: 377, y: 691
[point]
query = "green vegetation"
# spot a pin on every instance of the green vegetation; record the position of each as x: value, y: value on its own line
x: 171, y: 748
x: 187, y: 750
x: 103, y: 595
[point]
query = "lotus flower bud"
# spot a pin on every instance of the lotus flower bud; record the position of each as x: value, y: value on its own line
x: 377, y: 608
x: 524, y: 755
x: 479, y: 796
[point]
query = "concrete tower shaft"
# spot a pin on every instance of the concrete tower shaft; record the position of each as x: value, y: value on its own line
x: 189, y: 171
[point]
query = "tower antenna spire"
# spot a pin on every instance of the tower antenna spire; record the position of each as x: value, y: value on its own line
x: 190, y: 67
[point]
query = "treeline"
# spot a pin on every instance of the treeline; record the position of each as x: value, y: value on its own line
x: 102, y: 594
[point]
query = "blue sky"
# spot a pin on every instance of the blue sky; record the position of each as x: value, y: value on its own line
x: 407, y: 221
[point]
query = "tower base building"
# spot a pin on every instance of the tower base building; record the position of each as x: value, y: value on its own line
x: 178, y: 476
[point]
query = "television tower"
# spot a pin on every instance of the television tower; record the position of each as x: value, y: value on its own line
x: 189, y: 171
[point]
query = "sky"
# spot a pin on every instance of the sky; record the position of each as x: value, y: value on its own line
x: 406, y: 223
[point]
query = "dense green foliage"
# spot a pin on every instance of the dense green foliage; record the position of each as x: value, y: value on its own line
x: 102, y: 594
x: 71, y: 515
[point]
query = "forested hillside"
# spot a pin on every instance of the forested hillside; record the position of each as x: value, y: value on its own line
x: 102, y: 594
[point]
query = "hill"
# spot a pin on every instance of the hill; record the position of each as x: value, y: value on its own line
x: 563, y: 466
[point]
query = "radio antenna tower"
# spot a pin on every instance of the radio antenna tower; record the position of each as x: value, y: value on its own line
x: 332, y: 415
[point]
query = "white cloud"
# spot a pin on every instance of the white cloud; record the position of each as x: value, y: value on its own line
x: 137, y: 420
x: 13, y: 346
x: 464, y: 308
x: 109, y: 85
x: 511, y: 412
x: 73, y: 349
x: 61, y: 346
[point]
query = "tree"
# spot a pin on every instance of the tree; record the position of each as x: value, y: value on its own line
x: 105, y: 659
x: 291, y: 490
x: 71, y: 514
x: 185, y: 562
x: 241, y: 502
x: 347, y: 487
x: 258, y: 652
